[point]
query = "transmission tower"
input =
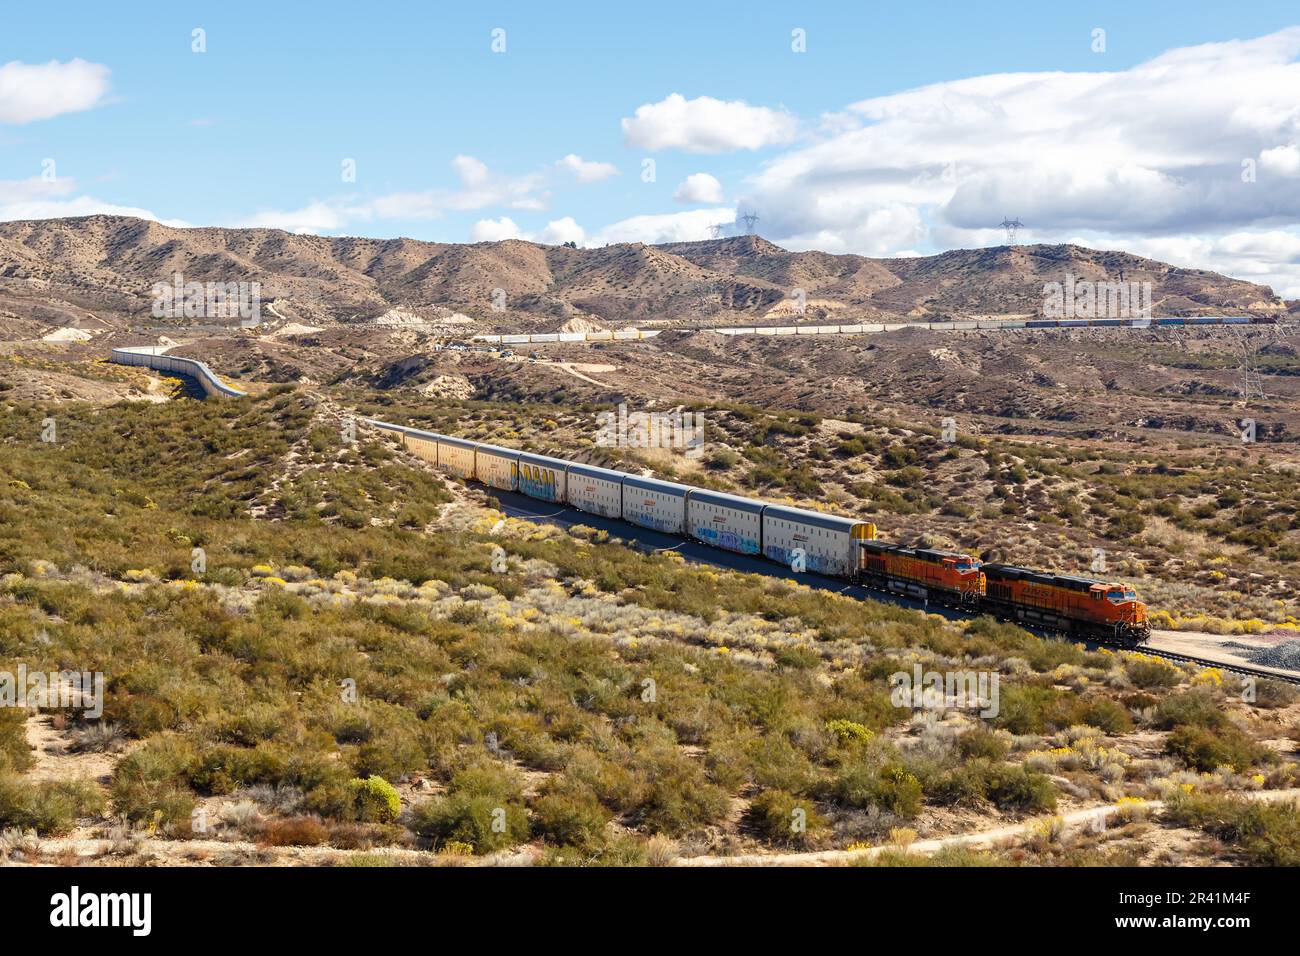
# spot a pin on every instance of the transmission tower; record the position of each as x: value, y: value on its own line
x: 749, y: 219
x: 716, y: 230
x: 1011, y: 225
x: 1251, y: 384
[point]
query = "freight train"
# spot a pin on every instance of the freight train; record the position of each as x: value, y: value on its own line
x: 797, y: 538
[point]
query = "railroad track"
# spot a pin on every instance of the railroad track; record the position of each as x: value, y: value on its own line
x: 1245, y: 669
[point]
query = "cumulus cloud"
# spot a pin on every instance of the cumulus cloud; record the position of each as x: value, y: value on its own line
x: 1154, y: 149
x: 669, y: 227
x: 39, y: 198
x: 37, y: 91
x: 587, y: 171
x: 1281, y: 159
x: 699, y: 188
x: 312, y: 219
x: 707, y: 125
x: 564, y: 230
x: 494, y: 230
x: 1269, y: 257
x: 472, y: 172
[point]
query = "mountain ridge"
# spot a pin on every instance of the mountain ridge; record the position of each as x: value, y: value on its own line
x: 109, y: 264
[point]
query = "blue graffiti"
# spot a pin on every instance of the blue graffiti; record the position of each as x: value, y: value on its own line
x: 728, y: 540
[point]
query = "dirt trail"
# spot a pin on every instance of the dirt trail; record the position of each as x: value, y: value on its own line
x: 54, y: 762
x: 1079, y: 819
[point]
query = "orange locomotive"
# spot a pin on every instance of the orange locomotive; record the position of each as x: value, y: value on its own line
x: 1074, y: 605
x: 942, y: 576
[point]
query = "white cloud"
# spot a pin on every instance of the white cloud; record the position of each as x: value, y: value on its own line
x: 1281, y: 159
x: 37, y: 91
x: 472, y: 172
x: 312, y: 219
x: 1270, y: 257
x: 53, y: 199
x: 707, y: 125
x: 494, y: 230
x: 587, y: 171
x: 670, y: 227
x: 699, y: 188
x: 1153, y: 151
x: 564, y: 230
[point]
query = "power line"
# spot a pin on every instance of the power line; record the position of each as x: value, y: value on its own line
x: 1011, y: 225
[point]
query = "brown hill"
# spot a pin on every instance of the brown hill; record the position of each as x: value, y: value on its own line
x: 108, y: 264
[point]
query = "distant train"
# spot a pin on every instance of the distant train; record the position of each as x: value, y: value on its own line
x: 796, y: 537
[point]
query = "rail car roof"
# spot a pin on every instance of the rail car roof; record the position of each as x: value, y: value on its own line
x: 814, y: 518
x: 594, y: 471
x: 1011, y: 573
x: 458, y: 442
x: 547, y: 460
x: 929, y: 554
x: 654, y: 484
x: 496, y: 450
x: 736, y: 502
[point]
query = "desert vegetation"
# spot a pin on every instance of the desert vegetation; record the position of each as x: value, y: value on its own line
x: 308, y: 645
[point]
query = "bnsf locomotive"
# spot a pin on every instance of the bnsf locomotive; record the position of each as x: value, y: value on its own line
x: 798, y: 538
x: 1058, y: 602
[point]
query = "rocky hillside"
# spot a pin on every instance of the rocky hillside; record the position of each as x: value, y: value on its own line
x: 53, y: 271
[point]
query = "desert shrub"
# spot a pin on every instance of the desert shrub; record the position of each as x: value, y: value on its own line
x: 783, y: 818
x: 889, y: 787
x: 682, y: 799
x: 1272, y: 694
x: 48, y: 807
x: 1011, y: 787
x: 1106, y: 715
x: 570, y: 816
x: 1028, y: 709
x: 981, y: 742
x: 959, y: 856
x: 375, y: 800
x: 482, y: 822
x: 1007, y: 786
x: 15, y: 752
x: 1149, y: 673
x: 1205, y: 749
x: 1267, y: 833
x: 849, y: 731
x: 295, y: 831
x: 148, y: 785
x: 1195, y: 708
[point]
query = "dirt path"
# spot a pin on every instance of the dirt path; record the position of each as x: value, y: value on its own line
x: 54, y: 762
x: 1078, y: 820
x: 578, y: 370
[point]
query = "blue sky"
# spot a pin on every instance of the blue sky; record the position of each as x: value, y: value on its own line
x: 897, y: 131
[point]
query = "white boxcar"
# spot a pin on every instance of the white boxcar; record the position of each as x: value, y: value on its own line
x: 597, y: 491
x: 725, y: 521
x: 456, y: 456
x: 542, y: 477
x: 422, y: 444
x: 497, y: 467
x: 651, y: 503
x: 828, y: 542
